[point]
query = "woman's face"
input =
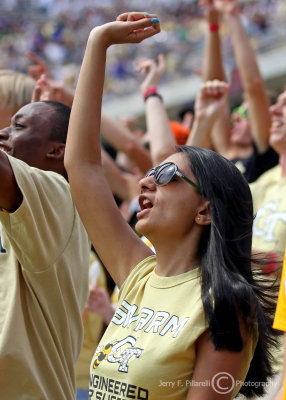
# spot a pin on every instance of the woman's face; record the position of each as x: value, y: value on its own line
x: 169, y: 210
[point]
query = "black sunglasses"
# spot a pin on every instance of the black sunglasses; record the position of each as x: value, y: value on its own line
x: 165, y: 173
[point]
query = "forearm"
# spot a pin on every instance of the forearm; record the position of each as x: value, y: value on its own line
x: 252, y: 82
x: 162, y: 141
x: 200, y: 135
x: 83, y: 143
x: 244, y: 54
x: 123, y: 140
x: 212, y: 61
x: 123, y: 185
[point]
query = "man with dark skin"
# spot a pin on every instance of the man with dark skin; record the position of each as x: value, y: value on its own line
x: 44, y: 258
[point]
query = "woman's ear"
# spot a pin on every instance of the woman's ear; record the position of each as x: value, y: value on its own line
x: 203, y: 215
x: 56, y: 151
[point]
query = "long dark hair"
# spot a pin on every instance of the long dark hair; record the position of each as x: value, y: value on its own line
x: 230, y: 290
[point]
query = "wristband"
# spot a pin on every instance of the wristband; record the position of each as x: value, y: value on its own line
x: 153, y: 95
x: 150, y: 90
x: 213, y: 27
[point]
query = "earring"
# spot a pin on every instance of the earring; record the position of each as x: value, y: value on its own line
x: 198, y: 219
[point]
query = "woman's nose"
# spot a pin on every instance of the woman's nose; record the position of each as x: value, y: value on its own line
x: 147, y: 183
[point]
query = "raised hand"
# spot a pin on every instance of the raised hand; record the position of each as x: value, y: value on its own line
x: 210, y: 102
x: 131, y: 27
x: 153, y: 70
x: 43, y: 90
x: 210, y: 12
x: 49, y: 89
x: 211, y: 99
x: 226, y: 6
x: 38, y: 68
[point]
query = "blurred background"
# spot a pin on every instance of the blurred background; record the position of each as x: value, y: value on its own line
x: 57, y: 30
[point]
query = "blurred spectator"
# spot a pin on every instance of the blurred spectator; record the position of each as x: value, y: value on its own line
x: 55, y: 31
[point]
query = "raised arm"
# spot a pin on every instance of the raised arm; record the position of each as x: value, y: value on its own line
x: 162, y: 141
x: 253, y: 86
x: 213, y: 70
x: 117, y: 245
x: 212, y: 59
x: 119, y: 136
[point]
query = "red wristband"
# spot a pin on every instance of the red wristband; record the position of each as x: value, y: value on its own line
x: 213, y: 27
x: 151, y: 90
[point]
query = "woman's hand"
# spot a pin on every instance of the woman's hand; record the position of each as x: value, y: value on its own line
x: 131, y: 27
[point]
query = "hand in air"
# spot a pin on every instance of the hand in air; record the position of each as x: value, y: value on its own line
x: 131, y: 27
x: 211, y: 99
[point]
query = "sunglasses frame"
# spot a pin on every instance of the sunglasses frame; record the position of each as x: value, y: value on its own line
x: 153, y: 171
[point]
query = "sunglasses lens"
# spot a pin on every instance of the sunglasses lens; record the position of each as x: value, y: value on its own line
x: 241, y: 111
x: 165, y: 174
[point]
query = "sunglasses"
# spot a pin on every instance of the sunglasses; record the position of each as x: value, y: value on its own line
x: 165, y: 173
x: 241, y: 111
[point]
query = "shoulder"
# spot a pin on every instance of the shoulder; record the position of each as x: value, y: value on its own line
x: 270, y: 176
x: 138, y: 273
x: 31, y: 181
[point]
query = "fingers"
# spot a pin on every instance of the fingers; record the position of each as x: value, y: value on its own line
x: 36, y: 95
x: 38, y: 68
x: 143, y: 28
x: 214, y: 88
x: 43, y: 90
x: 151, y: 64
x: 143, y: 24
x: 145, y: 65
x: 134, y: 16
x: 131, y: 27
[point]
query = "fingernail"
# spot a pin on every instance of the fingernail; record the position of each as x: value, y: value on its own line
x: 147, y: 14
x: 154, y: 20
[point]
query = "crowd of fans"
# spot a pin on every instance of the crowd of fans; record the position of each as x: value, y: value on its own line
x: 56, y: 30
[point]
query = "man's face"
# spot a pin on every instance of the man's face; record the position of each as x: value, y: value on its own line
x: 27, y: 137
x: 240, y: 132
x: 278, y: 127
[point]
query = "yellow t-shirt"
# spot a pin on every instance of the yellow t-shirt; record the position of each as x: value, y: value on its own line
x: 280, y: 315
x: 93, y: 327
x: 269, y: 227
x: 44, y: 287
x: 149, y: 349
x: 269, y: 200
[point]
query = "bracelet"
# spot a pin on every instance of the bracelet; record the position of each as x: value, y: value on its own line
x: 150, y: 90
x: 213, y: 27
x: 153, y: 95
